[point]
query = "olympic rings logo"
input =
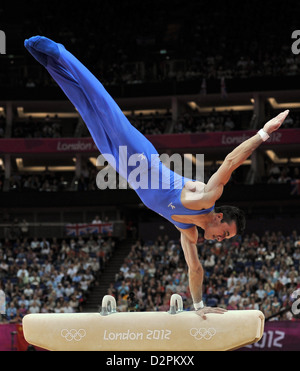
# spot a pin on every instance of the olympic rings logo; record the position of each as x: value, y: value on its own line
x: 73, y: 334
x: 203, y: 333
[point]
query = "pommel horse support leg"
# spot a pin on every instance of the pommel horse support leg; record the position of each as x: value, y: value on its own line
x: 176, y: 330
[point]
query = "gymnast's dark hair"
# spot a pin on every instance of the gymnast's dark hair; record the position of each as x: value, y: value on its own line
x: 232, y: 213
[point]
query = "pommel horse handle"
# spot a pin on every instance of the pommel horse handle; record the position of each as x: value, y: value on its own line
x: 110, y: 301
x: 176, y: 299
x: 107, y: 301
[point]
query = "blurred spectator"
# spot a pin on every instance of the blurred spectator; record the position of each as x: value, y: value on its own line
x: 24, y: 227
x: 97, y: 220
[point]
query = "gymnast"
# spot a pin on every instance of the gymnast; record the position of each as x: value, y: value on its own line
x: 186, y: 203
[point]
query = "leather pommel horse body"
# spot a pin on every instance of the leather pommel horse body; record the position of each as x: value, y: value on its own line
x: 176, y: 330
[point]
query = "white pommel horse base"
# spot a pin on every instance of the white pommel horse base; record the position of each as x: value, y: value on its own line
x: 176, y: 330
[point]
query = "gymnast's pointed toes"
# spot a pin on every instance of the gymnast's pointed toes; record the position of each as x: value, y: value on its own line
x: 44, y: 45
x: 31, y: 41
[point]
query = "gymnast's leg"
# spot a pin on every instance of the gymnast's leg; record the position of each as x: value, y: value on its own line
x: 107, y: 124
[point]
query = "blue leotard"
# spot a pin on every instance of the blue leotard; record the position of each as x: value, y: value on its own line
x: 110, y: 130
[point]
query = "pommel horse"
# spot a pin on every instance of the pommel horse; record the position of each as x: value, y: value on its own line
x: 175, y: 330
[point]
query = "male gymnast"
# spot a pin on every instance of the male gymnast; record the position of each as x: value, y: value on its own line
x: 186, y: 203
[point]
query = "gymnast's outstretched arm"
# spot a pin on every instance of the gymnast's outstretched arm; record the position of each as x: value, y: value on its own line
x: 235, y: 158
x: 196, y: 274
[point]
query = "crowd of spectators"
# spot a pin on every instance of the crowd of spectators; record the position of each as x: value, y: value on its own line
x: 40, y: 275
x: 55, y: 182
x: 284, y: 174
x: 49, y: 181
x: 148, y: 124
x: 152, y: 124
x: 196, y: 123
x: 135, y: 42
x: 87, y: 180
x: 40, y: 182
x: 49, y: 127
x: 250, y: 272
x: 56, y: 276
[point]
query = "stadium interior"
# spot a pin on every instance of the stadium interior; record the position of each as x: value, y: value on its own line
x: 192, y: 86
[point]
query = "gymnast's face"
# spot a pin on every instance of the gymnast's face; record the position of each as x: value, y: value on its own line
x: 218, y: 230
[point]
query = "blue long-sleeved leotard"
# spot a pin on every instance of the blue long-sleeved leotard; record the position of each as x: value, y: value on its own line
x: 160, y: 188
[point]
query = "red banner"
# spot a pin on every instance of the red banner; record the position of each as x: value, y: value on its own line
x: 46, y: 145
x: 195, y: 141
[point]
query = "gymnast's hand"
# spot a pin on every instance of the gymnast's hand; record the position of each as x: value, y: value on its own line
x: 206, y: 310
x: 276, y: 122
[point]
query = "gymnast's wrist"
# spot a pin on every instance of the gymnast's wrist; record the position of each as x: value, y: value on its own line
x: 263, y: 134
x: 199, y: 305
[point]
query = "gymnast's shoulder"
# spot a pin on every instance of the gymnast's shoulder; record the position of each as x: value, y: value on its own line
x: 194, y: 196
